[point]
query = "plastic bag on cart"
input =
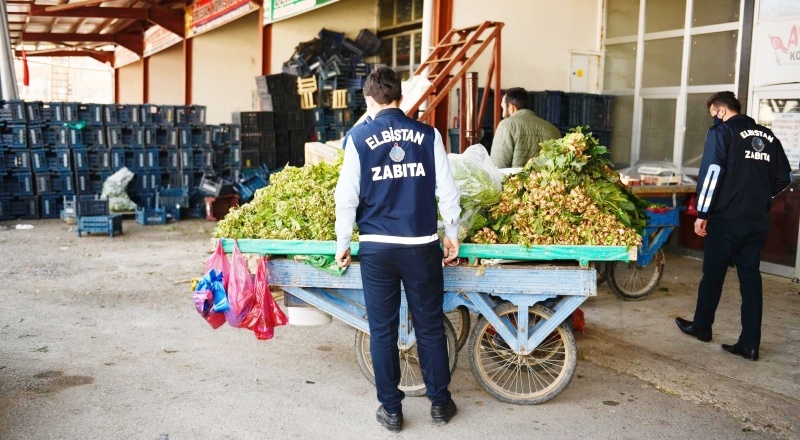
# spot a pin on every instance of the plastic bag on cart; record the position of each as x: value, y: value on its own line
x: 261, y: 318
x: 240, y: 289
x: 476, y: 176
x: 219, y: 262
x: 324, y: 262
x: 210, y: 299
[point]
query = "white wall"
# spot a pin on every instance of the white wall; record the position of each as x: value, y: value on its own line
x: 536, y: 40
x: 348, y: 16
x: 131, y: 83
x: 225, y: 63
x: 167, y: 76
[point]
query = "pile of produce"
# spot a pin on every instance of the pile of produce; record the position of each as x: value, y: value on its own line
x: 569, y: 195
x: 298, y: 204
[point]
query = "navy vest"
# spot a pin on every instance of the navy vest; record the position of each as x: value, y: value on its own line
x: 397, y: 202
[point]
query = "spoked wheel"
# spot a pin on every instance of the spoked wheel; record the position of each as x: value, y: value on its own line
x: 460, y: 320
x: 633, y: 282
x: 522, y: 379
x: 411, y: 381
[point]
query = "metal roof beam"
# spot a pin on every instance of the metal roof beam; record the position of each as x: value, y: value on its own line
x: 132, y: 42
x: 102, y: 56
x: 170, y: 20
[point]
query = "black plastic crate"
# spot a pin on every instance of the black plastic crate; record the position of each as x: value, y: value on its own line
x: 554, y: 108
x: 50, y: 206
x: 44, y: 183
x: 296, y: 120
x: 335, y: 132
x: 83, y: 183
x: 24, y: 208
x: 605, y: 109
x: 256, y: 122
x: 281, y: 140
x: 258, y: 141
x: 297, y: 157
x: 298, y: 138
x: 281, y: 83
x: 368, y: 42
x: 581, y: 109
x: 5, y: 203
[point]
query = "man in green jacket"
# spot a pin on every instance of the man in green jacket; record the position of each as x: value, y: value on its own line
x: 520, y: 132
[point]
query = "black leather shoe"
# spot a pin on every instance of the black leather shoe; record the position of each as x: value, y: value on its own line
x: 747, y: 353
x: 392, y: 422
x: 440, y: 415
x: 688, y: 328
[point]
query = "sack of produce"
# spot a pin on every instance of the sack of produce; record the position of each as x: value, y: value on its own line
x: 114, y: 191
x: 476, y: 176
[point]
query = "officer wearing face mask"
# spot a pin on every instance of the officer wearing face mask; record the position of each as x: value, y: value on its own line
x: 743, y: 168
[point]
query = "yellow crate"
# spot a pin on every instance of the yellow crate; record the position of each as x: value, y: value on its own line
x: 305, y: 85
x: 307, y: 100
x: 339, y: 99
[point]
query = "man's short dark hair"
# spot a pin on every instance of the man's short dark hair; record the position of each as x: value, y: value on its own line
x: 383, y: 85
x: 724, y: 99
x: 518, y: 97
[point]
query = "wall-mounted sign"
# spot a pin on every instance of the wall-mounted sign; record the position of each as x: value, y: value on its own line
x: 275, y: 10
x: 205, y: 15
x: 157, y: 39
x: 777, y: 48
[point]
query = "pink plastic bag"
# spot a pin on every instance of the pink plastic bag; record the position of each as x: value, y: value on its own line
x: 219, y: 262
x: 239, y: 288
x: 258, y: 320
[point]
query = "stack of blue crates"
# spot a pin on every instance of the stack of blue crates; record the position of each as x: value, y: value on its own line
x: 57, y: 149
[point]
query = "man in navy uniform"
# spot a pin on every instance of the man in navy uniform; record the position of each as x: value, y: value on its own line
x: 394, y: 169
x: 743, y: 168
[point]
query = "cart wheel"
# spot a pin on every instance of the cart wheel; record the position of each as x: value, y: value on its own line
x: 522, y: 379
x: 602, y: 271
x: 632, y: 282
x: 411, y: 381
x: 460, y: 320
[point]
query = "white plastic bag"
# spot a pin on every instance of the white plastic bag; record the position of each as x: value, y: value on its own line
x: 114, y: 191
x: 478, y: 179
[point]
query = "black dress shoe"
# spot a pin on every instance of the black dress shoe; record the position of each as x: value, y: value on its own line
x: 747, y: 353
x: 440, y: 415
x: 688, y: 328
x: 392, y: 422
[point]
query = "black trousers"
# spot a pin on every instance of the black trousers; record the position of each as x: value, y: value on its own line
x: 741, y: 242
x: 420, y: 271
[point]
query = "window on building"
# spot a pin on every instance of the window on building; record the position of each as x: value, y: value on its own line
x: 400, y: 29
x: 662, y: 69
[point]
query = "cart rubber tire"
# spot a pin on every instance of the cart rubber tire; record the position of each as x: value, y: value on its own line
x: 461, y: 322
x: 547, y: 370
x: 632, y: 282
x: 411, y: 382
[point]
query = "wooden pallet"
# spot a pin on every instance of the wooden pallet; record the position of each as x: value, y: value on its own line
x: 305, y: 85
x: 339, y: 99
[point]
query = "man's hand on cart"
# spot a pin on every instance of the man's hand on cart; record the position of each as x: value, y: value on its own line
x: 343, y: 258
x: 450, y: 249
x: 700, y: 227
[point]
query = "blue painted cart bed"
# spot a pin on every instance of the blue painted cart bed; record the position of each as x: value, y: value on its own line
x: 521, y: 350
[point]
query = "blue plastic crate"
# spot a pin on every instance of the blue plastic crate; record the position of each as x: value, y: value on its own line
x: 136, y: 160
x: 173, y: 160
x: 50, y: 135
x: 16, y: 112
x: 50, y: 206
x: 63, y: 183
x: 231, y: 133
x: 64, y: 160
x: 97, y: 179
x: 207, y: 159
x: 18, y: 137
x: 669, y: 218
x: 320, y: 134
x: 129, y: 114
x: 149, y: 114
x: 17, y: 160
x: 80, y: 159
x: 185, y: 138
x: 234, y: 154
x: 64, y: 111
x: 110, y: 114
x: 117, y: 158
x: 101, y: 224
x: 151, y: 182
x: 19, y: 184
x: 152, y: 159
x: 95, y: 137
x: 100, y: 160
x: 248, y: 186
x: 114, y: 137
x: 35, y: 136
x: 85, y: 205
x: 62, y: 137
x: 151, y: 216
x: 91, y: 114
